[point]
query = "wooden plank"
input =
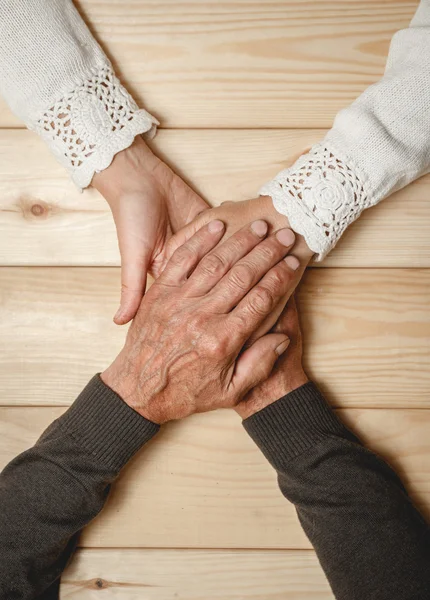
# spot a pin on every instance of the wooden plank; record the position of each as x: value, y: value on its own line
x: 45, y: 221
x: 202, y: 483
x: 195, y: 575
x: 367, y: 333
x: 204, y: 63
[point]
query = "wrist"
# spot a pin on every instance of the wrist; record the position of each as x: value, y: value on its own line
x: 120, y: 378
x: 293, y: 380
x: 127, y: 173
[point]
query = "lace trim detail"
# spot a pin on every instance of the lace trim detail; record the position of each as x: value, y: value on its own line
x: 321, y: 195
x: 88, y: 126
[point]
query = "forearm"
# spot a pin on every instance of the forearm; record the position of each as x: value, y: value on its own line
x: 51, y: 491
x: 371, y: 541
x: 377, y: 145
x: 57, y: 79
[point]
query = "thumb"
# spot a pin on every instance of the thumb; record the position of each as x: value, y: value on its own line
x: 133, y: 284
x: 194, y: 206
x: 197, y: 207
x: 256, y: 363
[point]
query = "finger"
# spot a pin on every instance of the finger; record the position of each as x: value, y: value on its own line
x: 288, y: 322
x: 280, y: 281
x: 217, y: 263
x: 133, y: 283
x: 288, y: 373
x: 246, y: 273
x: 187, y: 256
x: 269, y: 322
x: 181, y: 237
x: 273, y: 317
x: 255, y: 364
x: 280, y: 320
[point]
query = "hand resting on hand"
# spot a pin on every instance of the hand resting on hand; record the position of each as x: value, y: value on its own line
x: 184, y: 352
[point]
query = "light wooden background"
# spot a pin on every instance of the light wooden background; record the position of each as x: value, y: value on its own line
x: 240, y: 87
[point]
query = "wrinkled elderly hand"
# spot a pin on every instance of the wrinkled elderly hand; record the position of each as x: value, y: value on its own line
x: 288, y: 373
x: 184, y: 352
x: 235, y: 215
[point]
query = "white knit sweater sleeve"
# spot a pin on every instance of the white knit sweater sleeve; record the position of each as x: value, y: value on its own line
x: 377, y: 145
x: 56, y: 78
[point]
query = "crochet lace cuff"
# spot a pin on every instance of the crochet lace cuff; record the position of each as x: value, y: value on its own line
x: 86, y: 127
x: 321, y: 194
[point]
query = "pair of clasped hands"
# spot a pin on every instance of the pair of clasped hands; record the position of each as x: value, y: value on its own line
x: 206, y: 335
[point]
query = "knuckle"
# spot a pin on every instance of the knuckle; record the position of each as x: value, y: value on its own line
x: 130, y: 290
x: 196, y: 324
x: 237, y: 245
x: 267, y: 252
x: 182, y: 256
x: 240, y: 323
x: 216, y: 345
x: 261, y: 301
x: 172, y: 246
x: 242, y: 276
x: 213, y: 264
x: 204, y: 216
x: 276, y: 280
x: 211, y: 339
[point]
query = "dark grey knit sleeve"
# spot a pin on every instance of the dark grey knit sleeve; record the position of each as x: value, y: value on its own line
x: 369, y: 538
x: 51, y: 491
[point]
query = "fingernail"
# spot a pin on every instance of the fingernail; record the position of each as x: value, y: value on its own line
x: 292, y: 262
x: 282, y: 347
x: 215, y: 226
x: 286, y: 237
x: 259, y: 228
x: 118, y: 314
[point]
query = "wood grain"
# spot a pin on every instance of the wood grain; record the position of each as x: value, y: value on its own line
x: 242, y: 64
x: 202, y: 483
x: 194, y: 575
x: 45, y: 221
x: 243, y: 87
x: 367, y: 333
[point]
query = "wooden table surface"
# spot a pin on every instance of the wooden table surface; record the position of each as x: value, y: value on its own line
x: 240, y: 87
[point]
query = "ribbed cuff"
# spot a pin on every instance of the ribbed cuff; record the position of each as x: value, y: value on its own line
x: 293, y: 424
x: 106, y: 426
